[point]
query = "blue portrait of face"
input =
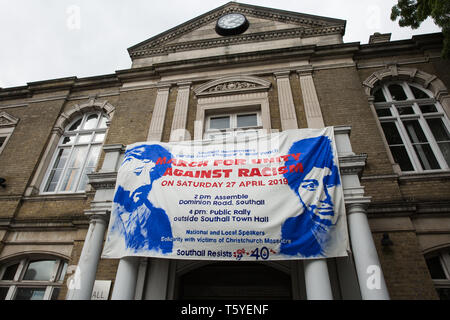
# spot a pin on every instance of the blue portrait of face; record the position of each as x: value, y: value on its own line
x: 307, y: 233
x: 142, y: 224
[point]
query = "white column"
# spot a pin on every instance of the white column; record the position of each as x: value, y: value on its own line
x: 285, y: 101
x: 159, y: 114
x: 90, y: 256
x: 368, y: 267
x: 127, y: 272
x: 313, y: 113
x: 125, y: 283
x: 157, y: 279
x: 317, y: 280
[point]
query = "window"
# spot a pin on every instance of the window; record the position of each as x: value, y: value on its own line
x: 4, y: 137
x: 76, y: 154
x: 439, y: 267
x: 2, y: 142
x: 32, y: 279
x: 7, y: 125
x: 233, y: 124
x: 415, y: 126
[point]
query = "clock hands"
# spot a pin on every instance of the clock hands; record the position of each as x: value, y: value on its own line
x: 232, y: 20
x: 232, y: 24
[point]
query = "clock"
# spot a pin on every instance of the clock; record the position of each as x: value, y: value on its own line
x: 232, y: 24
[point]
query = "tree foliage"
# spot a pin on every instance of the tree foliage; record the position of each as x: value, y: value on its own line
x: 413, y: 12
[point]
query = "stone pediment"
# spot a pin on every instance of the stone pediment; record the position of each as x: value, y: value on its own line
x: 234, y: 84
x: 266, y: 24
x: 7, y: 120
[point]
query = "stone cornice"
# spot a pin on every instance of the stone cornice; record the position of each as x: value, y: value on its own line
x: 52, y: 85
x: 148, y: 51
x: 417, y: 44
x: 409, y: 209
x: 71, y: 84
x: 49, y: 224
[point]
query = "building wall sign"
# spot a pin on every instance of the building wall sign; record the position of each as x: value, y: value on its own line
x: 268, y: 197
x: 101, y: 290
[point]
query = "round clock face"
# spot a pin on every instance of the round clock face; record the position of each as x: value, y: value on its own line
x: 232, y: 24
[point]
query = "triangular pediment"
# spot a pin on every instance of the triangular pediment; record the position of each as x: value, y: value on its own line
x: 7, y: 120
x: 266, y: 24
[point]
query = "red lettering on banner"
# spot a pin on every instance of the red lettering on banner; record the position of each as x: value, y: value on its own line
x: 297, y: 168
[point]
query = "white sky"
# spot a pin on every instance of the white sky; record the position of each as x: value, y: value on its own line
x: 49, y: 39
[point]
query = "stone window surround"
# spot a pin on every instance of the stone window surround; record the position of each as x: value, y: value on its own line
x: 24, y: 259
x: 233, y: 128
x: 392, y: 72
x: 419, y: 116
x: 251, y: 96
x: 444, y: 257
x: 63, y: 120
x: 7, y: 127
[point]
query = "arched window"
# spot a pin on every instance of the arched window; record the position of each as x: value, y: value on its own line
x: 415, y: 126
x: 76, y: 155
x: 32, y: 278
x: 439, y: 266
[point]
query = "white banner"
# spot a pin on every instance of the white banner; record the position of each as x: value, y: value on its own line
x: 271, y: 197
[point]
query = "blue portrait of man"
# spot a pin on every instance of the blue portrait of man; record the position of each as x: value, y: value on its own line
x: 307, y: 233
x: 141, y: 223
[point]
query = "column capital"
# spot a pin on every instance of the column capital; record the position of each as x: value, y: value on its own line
x: 342, y: 130
x: 305, y: 70
x: 164, y: 86
x: 352, y: 164
x: 95, y: 215
x: 103, y: 180
x: 359, y: 205
x: 282, y: 74
x: 184, y: 84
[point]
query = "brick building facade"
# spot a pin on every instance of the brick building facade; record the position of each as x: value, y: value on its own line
x: 389, y: 97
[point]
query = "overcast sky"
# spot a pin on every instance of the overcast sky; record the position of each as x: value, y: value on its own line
x: 49, y: 39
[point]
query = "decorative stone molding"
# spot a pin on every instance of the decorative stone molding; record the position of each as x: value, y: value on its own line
x: 236, y: 85
x: 7, y: 120
x: 63, y: 120
x: 411, y: 209
x: 307, y: 26
x: 394, y: 72
x: 93, y: 105
x: 230, y: 85
x: 353, y: 164
x: 104, y: 180
x: 241, y: 39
